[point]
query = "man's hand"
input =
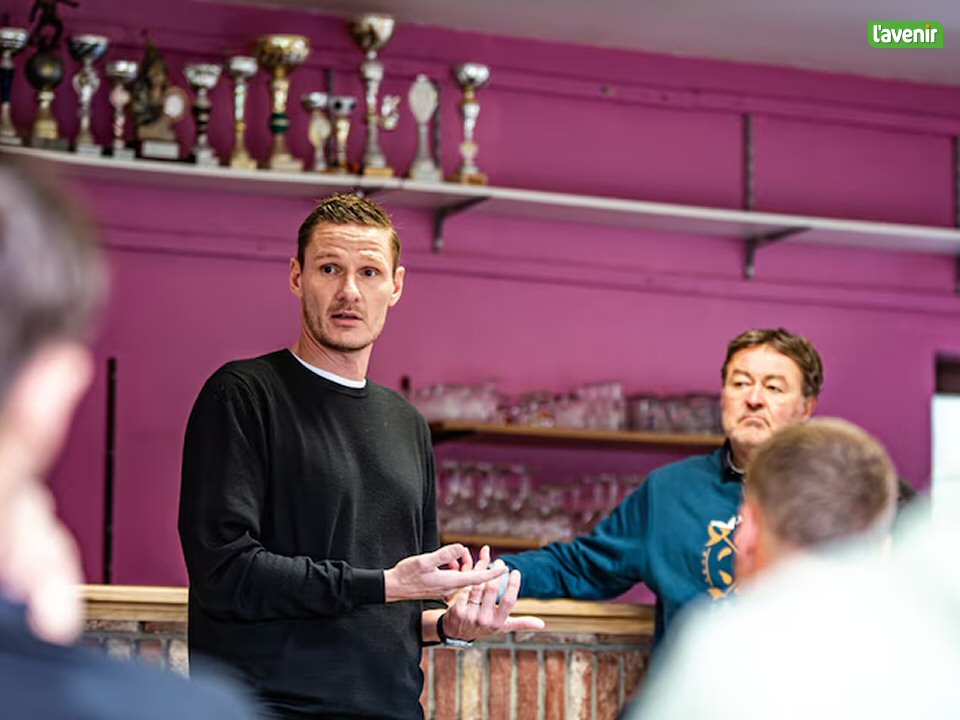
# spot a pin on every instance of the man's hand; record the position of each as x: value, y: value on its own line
x: 420, y: 577
x: 475, y: 612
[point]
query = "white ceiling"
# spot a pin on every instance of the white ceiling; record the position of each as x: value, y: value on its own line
x: 826, y: 35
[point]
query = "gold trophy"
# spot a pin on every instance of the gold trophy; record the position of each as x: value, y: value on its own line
x: 470, y: 77
x: 12, y: 41
x: 319, y: 130
x: 341, y: 108
x: 281, y: 55
x: 371, y: 31
x: 241, y: 68
x: 88, y: 49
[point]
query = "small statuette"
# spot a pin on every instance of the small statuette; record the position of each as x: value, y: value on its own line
x: 155, y: 106
x: 423, y: 104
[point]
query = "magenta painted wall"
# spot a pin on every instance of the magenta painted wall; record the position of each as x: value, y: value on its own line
x: 200, y: 277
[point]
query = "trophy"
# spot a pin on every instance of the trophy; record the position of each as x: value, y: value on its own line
x: 12, y: 41
x: 120, y: 73
x: 341, y: 108
x: 281, y: 55
x: 86, y: 49
x: 240, y: 68
x: 202, y: 78
x: 319, y: 130
x: 155, y: 106
x: 371, y: 31
x: 423, y: 101
x: 470, y: 77
x: 45, y: 70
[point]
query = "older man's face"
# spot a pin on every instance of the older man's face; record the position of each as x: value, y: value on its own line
x: 762, y: 393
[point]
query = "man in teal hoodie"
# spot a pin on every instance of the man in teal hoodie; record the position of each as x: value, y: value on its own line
x: 675, y: 533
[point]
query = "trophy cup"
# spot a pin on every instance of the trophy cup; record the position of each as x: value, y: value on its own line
x: 202, y: 78
x: 281, y: 55
x: 240, y: 68
x: 319, y: 130
x: 341, y: 108
x: 45, y: 70
x: 423, y: 100
x: 470, y: 77
x: 371, y: 31
x: 12, y: 41
x: 155, y: 106
x: 86, y: 49
x: 120, y: 73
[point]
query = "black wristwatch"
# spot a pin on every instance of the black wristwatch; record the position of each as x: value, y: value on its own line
x: 449, y: 641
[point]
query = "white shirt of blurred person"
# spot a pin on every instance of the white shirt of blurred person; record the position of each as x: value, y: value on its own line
x: 51, y: 284
x: 803, y: 632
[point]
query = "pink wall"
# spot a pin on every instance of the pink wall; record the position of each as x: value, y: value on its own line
x: 200, y: 277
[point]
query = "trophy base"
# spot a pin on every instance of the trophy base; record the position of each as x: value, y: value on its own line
x: 204, y: 157
x: 11, y: 140
x: 88, y: 149
x: 42, y: 143
x: 159, y: 150
x: 426, y: 174
x: 119, y: 153
x: 283, y: 163
x: 383, y: 172
x: 469, y: 178
x: 243, y: 162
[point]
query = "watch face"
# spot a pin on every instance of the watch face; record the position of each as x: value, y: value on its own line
x: 174, y: 104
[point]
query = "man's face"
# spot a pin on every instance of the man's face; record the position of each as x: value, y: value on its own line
x: 346, y: 285
x: 762, y: 393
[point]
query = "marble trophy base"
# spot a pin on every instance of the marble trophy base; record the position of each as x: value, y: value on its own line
x: 283, y: 163
x: 425, y: 173
x: 469, y: 178
x: 205, y: 157
x: 11, y: 140
x: 44, y: 143
x: 242, y: 162
x: 119, y: 153
x: 159, y: 150
x: 88, y: 149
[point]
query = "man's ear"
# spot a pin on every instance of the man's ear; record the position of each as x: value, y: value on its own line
x: 43, y: 398
x: 747, y: 540
x: 398, y: 276
x: 809, y: 405
x: 296, y: 278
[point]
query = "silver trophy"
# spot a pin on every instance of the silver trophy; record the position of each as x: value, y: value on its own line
x: 423, y: 101
x: 120, y: 73
x: 12, y: 41
x: 241, y: 68
x: 203, y: 78
x: 371, y: 31
x: 341, y: 108
x: 319, y: 129
x: 471, y: 77
x: 87, y: 49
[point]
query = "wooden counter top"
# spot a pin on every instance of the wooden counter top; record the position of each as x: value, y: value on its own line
x: 153, y: 603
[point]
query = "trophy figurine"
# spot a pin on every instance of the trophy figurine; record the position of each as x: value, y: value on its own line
x: 86, y: 49
x: 281, y: 55
x: 470, y: 77
x: 423, y: 100
x: 12, y: 41
x: 120, y: 73
x: 371, y: 31
x: 319, y: 130
x: 202, y: 78
x: 341, y: 108
x: 155, y: 106
x: 240, y: 68
x: 45, y: 71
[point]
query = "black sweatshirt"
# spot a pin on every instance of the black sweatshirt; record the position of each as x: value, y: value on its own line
x: 296, y: 493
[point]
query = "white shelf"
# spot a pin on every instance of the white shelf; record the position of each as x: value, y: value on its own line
x: 445, y: 198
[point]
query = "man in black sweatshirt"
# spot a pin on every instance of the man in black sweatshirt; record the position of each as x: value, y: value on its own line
x: 303, y: 481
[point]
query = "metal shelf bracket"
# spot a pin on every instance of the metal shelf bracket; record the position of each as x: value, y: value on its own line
x: 441, y: 214
x: 755, y: 242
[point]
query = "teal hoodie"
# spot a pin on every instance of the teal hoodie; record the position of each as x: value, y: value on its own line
x: 674, y: 533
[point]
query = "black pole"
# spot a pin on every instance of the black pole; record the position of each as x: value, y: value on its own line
x: 109, y: 452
